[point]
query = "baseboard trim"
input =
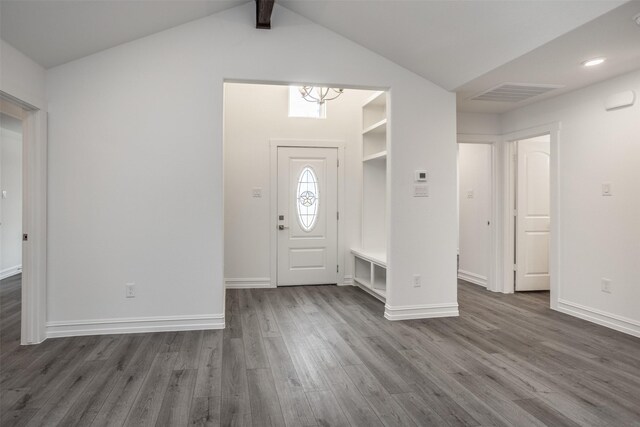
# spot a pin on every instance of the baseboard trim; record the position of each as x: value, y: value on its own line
x: 11, y: 271
x: 347, y: 281
x: 248, y: 283
x: 134, y: 325
x: 472, y: 278
x: 612, y: 321
x: 420, y: 311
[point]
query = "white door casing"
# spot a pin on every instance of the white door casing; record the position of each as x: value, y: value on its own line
x: 34, y: 216
x: 307, y: 201
x: 533, y: 215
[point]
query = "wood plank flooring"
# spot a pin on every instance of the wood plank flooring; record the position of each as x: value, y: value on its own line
x: 325, y: 356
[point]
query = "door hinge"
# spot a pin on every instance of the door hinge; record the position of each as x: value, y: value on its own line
x: 515, y: 212
x: 337, y: 269
x: 338, y: 162
x: 338, y: 216
x: 515, y: 267
x: 25, y: 237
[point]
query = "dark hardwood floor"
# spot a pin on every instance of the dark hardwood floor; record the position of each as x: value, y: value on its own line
x: 325, y: 356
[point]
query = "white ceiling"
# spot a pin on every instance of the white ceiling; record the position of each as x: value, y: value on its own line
x: 614, y: 35
x: 462, y: 45
x: 451, y: 42
x: 52, y: 32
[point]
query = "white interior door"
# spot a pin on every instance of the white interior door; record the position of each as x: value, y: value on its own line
x: 533, y: 215
x: 307, y: 215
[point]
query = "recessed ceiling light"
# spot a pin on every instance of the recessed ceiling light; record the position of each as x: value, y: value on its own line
x: 593, y: 62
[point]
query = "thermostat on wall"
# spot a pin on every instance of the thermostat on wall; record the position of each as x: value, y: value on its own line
x: 421, y: 176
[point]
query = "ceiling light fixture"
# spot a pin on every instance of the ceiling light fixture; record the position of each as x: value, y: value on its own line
x: 593, y: 62
x: 319, y: 94
x: 637, y: 19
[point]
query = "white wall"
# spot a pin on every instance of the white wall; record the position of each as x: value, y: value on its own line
x: 253, y: 115
x: 478, y: 123
x: 11, y: 207
x: 599, y: 236
x: 474, y: 163
x: 21, y: 77
x: 136, y: 166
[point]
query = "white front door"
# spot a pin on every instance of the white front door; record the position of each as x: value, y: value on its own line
x: 533, y: 215
x: 307, y: 215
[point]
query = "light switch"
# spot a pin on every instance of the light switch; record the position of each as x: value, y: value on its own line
x: 606, y: 189
x: 470, y: 194
x: 421, y: 176
x: 256, y: 192
x: 421, y: 190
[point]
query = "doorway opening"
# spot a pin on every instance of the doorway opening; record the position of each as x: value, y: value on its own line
x: 24, y: 216
x: 293, y: 185
x: 475, y: 212
x: 11, y: 148
x: 540, y: 217
x: 11, y: 194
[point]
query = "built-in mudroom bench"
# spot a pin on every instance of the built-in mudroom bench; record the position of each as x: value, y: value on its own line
x: 370, y: 272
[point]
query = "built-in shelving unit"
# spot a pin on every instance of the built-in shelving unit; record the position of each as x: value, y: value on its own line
x: 370, y: 269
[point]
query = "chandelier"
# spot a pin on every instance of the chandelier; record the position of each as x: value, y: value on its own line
x: 319, y: 94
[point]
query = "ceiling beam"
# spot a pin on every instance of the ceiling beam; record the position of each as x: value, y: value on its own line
x: 263, y: 14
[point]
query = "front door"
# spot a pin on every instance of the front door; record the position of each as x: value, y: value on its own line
x: 307, y: 215
x: 533, y: 215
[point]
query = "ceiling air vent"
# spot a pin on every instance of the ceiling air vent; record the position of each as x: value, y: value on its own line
x: 514, y: 92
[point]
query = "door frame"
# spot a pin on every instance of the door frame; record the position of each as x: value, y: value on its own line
x: 34, y: 217
x: 509, y: 140
x: 276, y: 143
x: 494, y: 282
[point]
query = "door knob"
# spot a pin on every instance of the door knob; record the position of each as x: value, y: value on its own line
x: 282, y: 227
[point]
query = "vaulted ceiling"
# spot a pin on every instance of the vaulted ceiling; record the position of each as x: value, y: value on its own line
x: 450, y: 42
x: 463, y: 46
x: 53, y: 32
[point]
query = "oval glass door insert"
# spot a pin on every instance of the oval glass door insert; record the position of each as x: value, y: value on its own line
x: 307, y: 199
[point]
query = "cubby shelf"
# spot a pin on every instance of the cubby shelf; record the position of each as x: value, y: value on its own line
x: 382, y: 155
x: 370, y: 272
x: 381, y: 294
x: 379, y: 258
x: 378, y: 127
x: 378, y: 99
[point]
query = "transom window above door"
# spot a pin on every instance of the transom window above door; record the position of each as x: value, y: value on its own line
x: 299, y: 107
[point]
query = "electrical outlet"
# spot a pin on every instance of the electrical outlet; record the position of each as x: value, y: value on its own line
x: 130, y: 290
x: 417, y: 281
x: 606, y: 285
